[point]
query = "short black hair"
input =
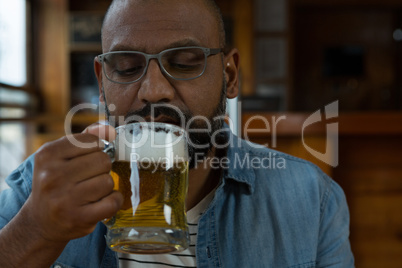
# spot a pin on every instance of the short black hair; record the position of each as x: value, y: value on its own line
x: 210, y: 4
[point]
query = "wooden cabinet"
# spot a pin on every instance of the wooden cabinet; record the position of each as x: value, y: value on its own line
x: 349, y: 54
x: 68, y: 37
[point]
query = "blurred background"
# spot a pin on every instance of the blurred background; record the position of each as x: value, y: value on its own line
x: 297, y: 57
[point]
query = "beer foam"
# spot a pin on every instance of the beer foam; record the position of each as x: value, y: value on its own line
x: 160, y: 145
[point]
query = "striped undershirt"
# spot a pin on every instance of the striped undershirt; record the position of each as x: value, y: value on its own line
x: 185, y: 258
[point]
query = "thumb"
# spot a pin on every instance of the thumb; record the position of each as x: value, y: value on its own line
x: 104, y: 132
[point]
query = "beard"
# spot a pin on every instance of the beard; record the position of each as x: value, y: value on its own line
x: 200, y: 132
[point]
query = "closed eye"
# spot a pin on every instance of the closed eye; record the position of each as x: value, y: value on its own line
x: 130, y: 71
x: 185, y: 67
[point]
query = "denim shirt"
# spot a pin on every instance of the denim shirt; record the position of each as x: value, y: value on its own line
x: 270, y: 210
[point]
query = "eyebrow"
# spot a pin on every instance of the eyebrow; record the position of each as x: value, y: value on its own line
x: 188, y: 42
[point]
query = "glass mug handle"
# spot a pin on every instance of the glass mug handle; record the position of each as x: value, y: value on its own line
x: 109, y: 149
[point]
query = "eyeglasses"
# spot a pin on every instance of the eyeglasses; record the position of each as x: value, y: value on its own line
x: 182, y: 63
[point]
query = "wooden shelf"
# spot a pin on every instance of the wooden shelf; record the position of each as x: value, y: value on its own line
x: 350, y: 3
x: 359, y: 123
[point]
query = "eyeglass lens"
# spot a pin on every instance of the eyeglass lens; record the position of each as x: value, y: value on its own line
x: 126, y: 67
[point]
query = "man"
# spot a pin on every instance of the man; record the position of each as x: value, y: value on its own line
x: 250, y: 216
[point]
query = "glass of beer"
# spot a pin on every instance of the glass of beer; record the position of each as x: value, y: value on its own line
x: 150, y: 169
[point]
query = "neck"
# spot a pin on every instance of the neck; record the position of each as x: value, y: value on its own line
x: 202, y: 179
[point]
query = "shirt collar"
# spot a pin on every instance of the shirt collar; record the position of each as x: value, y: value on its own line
x: 238, y: 157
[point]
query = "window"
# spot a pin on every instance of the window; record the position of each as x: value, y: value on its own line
x: 16, y: 95
x: 12, y: 148
x: 13, y: 64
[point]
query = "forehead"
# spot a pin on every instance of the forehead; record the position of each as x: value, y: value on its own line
x: 152, y: 26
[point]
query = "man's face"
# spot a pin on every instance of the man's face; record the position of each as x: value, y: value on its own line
x: 151, y: 27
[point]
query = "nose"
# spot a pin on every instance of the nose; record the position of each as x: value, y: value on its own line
x: 155, y: 87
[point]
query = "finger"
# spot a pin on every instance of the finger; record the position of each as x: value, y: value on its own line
x: 94, y: 189
x: 105, y: 132
x: 88, y: 166
x: 70, y: 146
x: 105, y: 208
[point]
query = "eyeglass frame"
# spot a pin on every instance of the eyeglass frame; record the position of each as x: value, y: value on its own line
x: 207, y: 52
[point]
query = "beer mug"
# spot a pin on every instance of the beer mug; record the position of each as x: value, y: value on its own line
x: 150, y: 169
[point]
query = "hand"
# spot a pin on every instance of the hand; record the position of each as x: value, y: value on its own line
x: 72, y: 189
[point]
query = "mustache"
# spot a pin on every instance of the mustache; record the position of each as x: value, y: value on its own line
x: 158, y: 110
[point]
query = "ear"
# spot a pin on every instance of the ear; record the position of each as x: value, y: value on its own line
x: 231, y: 61
x: 99, y: 75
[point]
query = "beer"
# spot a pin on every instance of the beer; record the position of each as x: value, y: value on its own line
x: 158, y: 189
x: 153, y: 181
